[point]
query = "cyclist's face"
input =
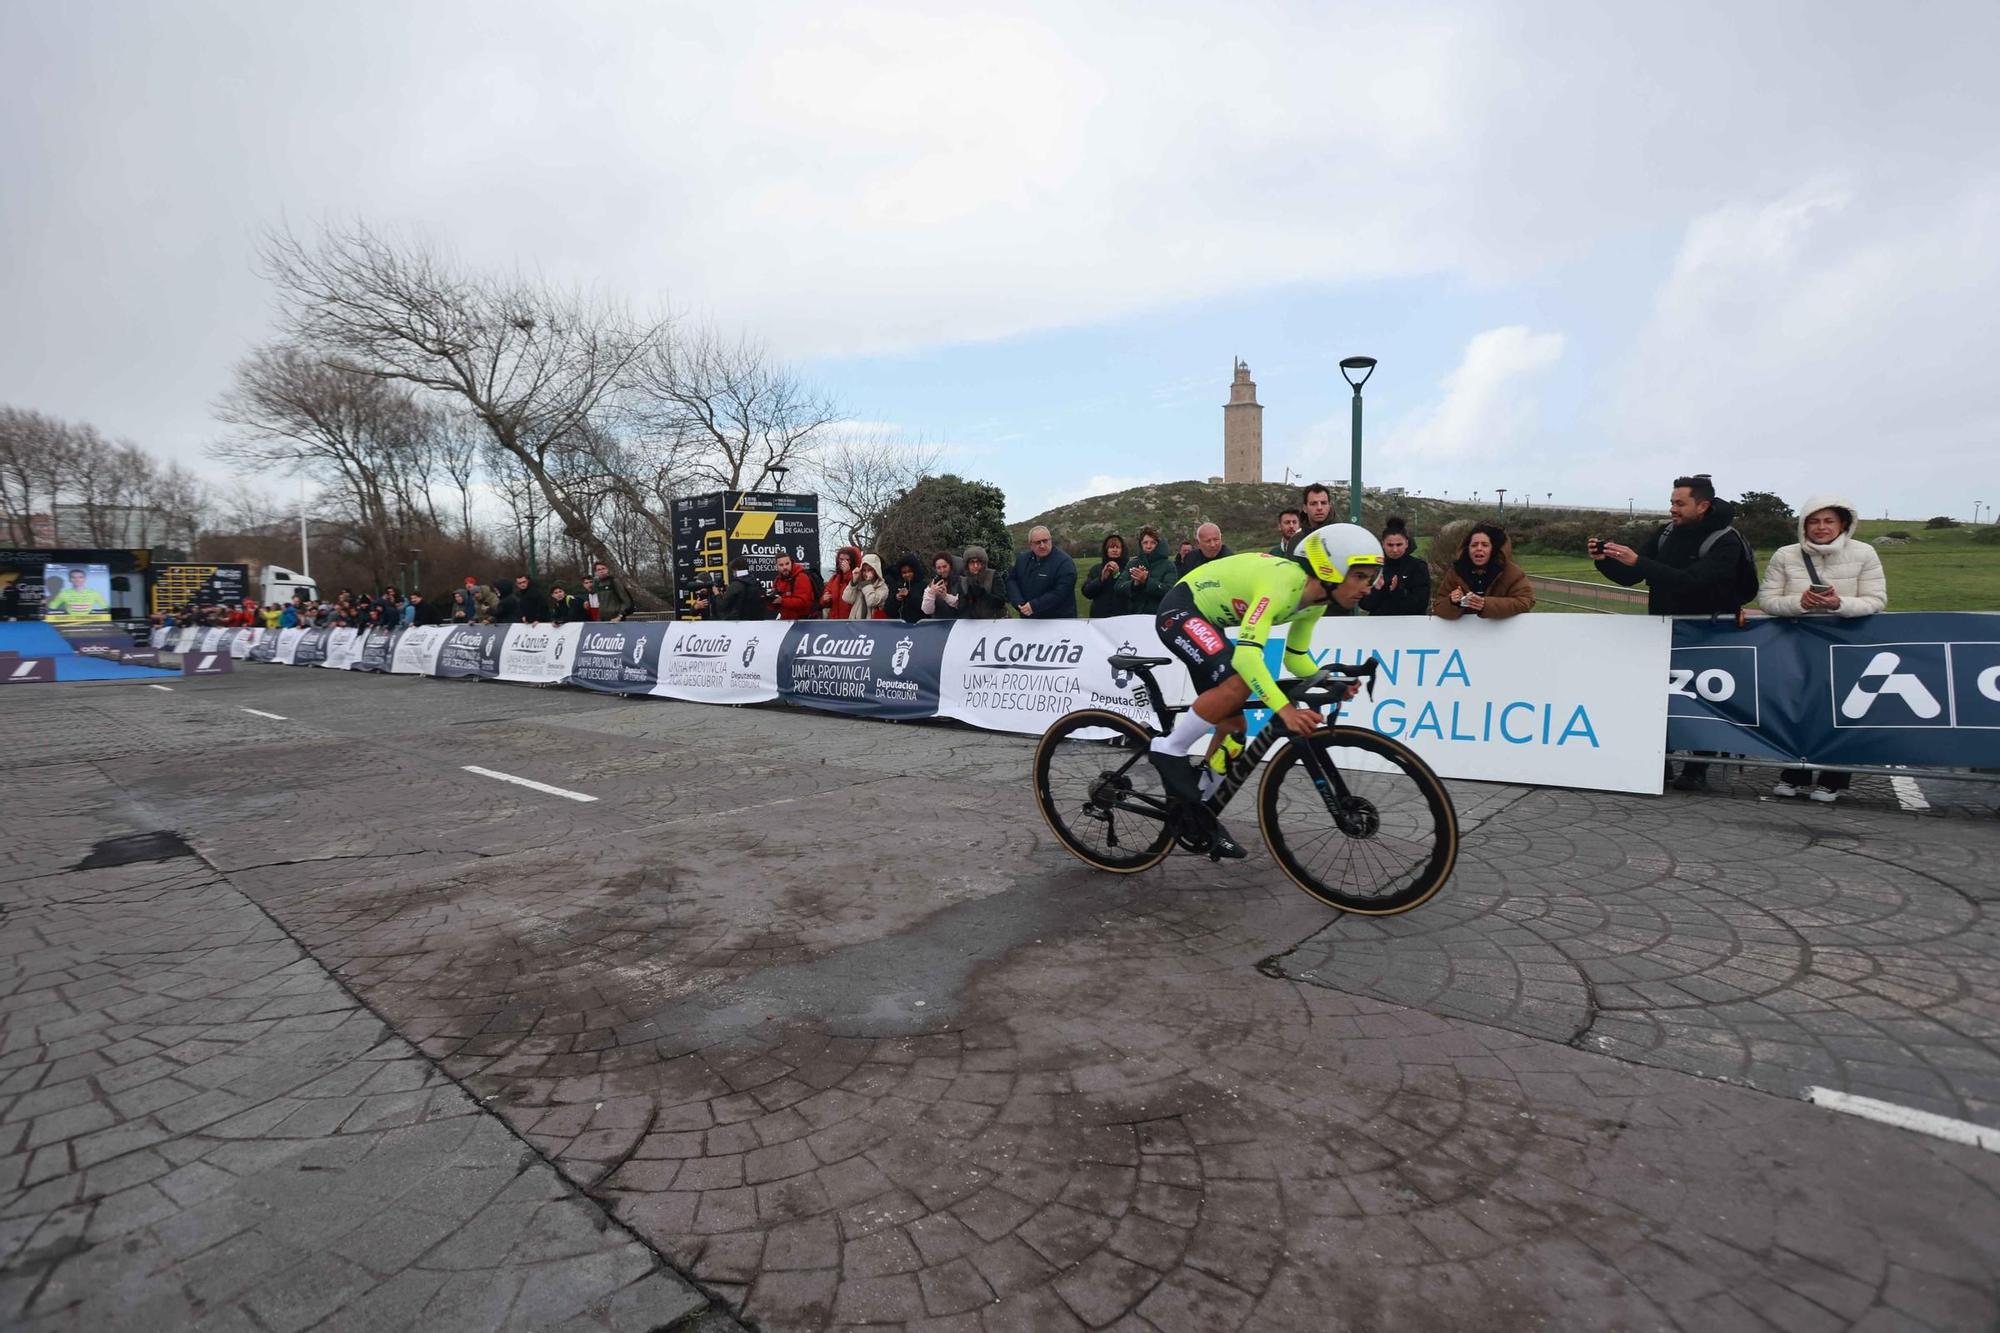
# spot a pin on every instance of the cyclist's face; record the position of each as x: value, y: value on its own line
x: 1355, y: 586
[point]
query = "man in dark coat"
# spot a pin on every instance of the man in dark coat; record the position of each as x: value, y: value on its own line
x: 1042, y: 584
x: 743, y: 599
x: 1690, y: 566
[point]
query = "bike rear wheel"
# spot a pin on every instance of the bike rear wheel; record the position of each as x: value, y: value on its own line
x: 1385, y: 847
x: 1100, y: 794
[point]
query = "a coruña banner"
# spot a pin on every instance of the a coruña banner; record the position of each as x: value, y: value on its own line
x: 721, y: 661
x: 878, y: 668
x: 1918, y: 689
x: 618, y: 657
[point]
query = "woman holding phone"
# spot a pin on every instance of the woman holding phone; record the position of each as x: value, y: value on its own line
x: 1827, y: 572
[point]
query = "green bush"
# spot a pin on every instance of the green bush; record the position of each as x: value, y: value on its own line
x: 1942, y: 521
x: 1988, y: 535
x: 1897, y: 536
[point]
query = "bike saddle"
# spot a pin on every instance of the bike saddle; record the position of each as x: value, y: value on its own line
x: 1127, y: 661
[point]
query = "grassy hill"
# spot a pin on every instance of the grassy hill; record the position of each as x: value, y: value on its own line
x: 1248, y: 514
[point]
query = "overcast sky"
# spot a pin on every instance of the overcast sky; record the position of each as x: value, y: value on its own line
x: 1593, y: 245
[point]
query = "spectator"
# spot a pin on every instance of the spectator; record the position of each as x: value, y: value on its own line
x: 1317, y: 501
x: 1291, y: 527
x: 1042, y: 584
x: 1695, y: 565
x: 906, y: 590
x: 1182, y: 556
x: 942, y: 597
x: 1692, y: 566
x: 1101, y: 585
x: 1404, y: 586
x: 1207, y: 546
x: 868, y: 592
x: 743, y: 599
x: 1147, y: 576
x: 563, y: 608
x: 982, y: 588
x: 792, y: 589
x: 271, y: 614
x: 587, y: 598
x: 290, y: 617
x: 1828, y: 557
x: 832, y: 598
x: 1483, y: 581
x: 614, y: 602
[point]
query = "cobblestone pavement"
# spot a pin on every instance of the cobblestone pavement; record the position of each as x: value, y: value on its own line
x: 816, y: 1008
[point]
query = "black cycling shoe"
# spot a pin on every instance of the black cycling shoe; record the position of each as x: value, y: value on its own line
x: 1223, y: 847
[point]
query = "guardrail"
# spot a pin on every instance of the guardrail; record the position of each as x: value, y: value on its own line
x: 1577, y: 595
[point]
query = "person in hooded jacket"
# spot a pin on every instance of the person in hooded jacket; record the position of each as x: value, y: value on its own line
x: 867, y: 592
x: 1147, y: 575
x: 982, y: 589
x: 906, y: 590
x: 1484, y: 581
x: 832, y: 600
x: 1101, y: 584
x: 1404, y: 587
x: 942, y: 599
x: 1827, y: 555
x: 563, y: 608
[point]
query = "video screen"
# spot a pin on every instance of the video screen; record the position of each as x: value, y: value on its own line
x: 77, y: 594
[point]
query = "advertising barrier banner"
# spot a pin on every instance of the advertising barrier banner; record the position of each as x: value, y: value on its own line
x: 416, y: 650
x: 1918, y: 688
x: 875, y: 668
x: 310, y: 650
x: 621, y: 657
x: 537, y: 654
x: 343, y: 647
x: 470, y: 650
x: 721, y: 661
x: 377, y: 645
x: 1021, y: 675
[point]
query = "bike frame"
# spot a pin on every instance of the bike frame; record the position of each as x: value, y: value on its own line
x: 1326, y: 776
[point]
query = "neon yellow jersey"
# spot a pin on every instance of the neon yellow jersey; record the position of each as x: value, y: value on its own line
x: 1256, y: 592
x: 72, y: 601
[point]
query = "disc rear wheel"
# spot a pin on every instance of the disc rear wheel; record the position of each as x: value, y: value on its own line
x: 1384, y: 845
x: 1099, y: 792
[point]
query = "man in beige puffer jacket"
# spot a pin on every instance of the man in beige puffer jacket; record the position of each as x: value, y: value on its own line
x: 1846, y: 564
x: 1852, y: 573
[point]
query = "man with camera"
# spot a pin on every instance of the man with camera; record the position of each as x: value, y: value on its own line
x: 1697, y: 564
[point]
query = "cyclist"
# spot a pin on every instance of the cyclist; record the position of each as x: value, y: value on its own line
x: 1255, y: 592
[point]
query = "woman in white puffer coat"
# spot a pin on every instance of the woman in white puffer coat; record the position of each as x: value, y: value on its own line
x: 1827, y: 555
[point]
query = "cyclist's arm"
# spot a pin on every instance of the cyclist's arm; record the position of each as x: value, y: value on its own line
x: 1298, y: 638
x: 1248, y: 659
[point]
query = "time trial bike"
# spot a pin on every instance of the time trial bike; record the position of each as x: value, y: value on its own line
x: 1355, y: 818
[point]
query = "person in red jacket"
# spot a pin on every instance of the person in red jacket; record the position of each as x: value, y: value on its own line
x: 794, y: 590
x: 845, y: 562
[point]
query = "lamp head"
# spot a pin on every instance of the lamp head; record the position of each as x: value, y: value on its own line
x: 1351, y: 364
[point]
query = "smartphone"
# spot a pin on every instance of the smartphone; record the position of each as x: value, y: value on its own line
x: 1822, y: 589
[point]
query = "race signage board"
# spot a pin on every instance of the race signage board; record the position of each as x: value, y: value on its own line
x: 721, y: 661
x: 876, y: 668
x: 618, y: 657
x: 207, y: 664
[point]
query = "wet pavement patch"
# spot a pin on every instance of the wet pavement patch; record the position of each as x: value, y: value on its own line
x: 133, y: 848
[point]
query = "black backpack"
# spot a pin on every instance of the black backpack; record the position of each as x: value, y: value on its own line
x: 1744, y: 581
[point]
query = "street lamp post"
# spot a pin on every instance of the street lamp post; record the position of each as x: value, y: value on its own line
x: 1348, y: 365
x: 1975, y: 512
x: 1502, y: 491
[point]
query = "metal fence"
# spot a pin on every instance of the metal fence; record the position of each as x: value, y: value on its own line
x: 1577, y: 595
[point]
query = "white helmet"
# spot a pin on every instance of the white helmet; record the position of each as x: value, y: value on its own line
x: 1336, y: 550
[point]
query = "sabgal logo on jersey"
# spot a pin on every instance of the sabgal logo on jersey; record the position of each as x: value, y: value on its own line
x: 1263, y: 605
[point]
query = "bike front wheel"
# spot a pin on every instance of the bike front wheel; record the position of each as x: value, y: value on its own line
x: 1100, y: 794
x: 1383, y: 846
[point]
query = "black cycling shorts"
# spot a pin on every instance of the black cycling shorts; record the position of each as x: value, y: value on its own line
x: 1203, y: 648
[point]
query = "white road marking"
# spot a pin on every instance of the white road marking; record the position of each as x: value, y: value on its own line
x: 275, y: 717
x: 1903, y: 1117
x: 1908, y: 794
x: 168, y: 688
x: 527, y: 782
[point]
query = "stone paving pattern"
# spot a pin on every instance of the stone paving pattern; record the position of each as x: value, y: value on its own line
x: 816, y: 1007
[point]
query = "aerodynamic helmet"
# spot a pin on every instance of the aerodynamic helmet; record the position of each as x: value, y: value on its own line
x: 1336, y: 550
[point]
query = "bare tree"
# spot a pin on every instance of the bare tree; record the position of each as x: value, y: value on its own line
x: 37, y: 460
x: 723, y: 413
x: 530, y: 363
x: 859, y: 477
x: 365, y: 440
